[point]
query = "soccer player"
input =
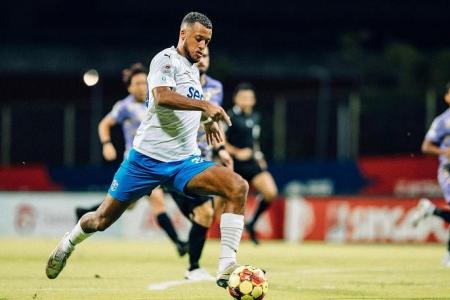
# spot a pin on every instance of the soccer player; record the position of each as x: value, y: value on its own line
x: 213, y: 92
x: 129, y: 112
x: 437, y: 142
x: 200, y: 209
x: 243, y: 145
x: 165, y: 151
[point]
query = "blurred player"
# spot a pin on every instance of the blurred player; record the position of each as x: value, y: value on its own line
x: 165, y: 151
x: 213, y: 92
x: 129, y: 112
x: 243, y: 145
x: 437, y: 142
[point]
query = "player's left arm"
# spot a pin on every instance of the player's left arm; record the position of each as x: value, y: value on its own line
x: 213, y: 132
x: 219, y: 150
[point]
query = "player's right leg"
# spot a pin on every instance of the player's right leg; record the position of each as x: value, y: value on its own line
x: 133, y: 180
x: 80, y: 211
x: 108, y: 212
x: 156, y: 200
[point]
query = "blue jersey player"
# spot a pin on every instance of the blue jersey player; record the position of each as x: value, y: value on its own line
x: 165, y: 151
x: 437, y: 142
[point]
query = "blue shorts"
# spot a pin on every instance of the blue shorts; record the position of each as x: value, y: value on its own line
x: 139, y: 174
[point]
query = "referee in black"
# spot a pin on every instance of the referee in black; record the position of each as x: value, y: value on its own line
x: 243, y: 145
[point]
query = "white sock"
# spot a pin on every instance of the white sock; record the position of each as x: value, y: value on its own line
x: 231, y: 226
x: 76, y: 236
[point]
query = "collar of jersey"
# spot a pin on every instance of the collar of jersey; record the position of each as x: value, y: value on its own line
x: 184, y: 59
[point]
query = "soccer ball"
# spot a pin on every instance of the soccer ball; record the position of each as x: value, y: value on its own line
x: 247, y: 283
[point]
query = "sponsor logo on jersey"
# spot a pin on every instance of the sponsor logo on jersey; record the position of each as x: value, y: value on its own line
x: 197, y: 160
x: 193, y: 93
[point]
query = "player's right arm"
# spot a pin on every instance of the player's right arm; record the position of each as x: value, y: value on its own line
x: 428, y: 147
x: 117, y: 115
x: 430, y: 144
x: 161, y: 83
x: 166, y: 97
x: 104, y: 133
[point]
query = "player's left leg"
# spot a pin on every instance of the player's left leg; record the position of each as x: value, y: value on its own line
x: 267, y: 189
x: 221, y: 181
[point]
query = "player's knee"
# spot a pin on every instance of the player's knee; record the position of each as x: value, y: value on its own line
x: 208, y: 216
x: 239, y: 190
x: 102, y: 223
x: 204, y: 214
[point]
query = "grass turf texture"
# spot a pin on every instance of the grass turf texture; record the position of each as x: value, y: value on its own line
x: 121, y: 269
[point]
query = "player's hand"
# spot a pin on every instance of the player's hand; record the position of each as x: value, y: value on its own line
x: 262, y: 163
x: 243, y: 154
x: 213, y: 133
x: 109, y: 152
x: 216, y: 113
x: 225, y: 158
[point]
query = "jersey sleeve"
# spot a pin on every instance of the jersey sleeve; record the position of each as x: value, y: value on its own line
x: 162, y: 72
x: 119, y: 112
x: 436, y: 131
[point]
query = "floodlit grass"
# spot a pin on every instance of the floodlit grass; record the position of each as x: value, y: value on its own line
x: 122, y: 269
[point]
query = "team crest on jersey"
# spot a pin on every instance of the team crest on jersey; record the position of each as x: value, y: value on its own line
x: 114, y: 185
x: 197, y: 160
x: 167, y: 69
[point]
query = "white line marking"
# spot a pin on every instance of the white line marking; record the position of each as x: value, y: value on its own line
x: 167, y: 284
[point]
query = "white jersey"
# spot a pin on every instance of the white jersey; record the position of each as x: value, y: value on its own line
x: 166, y: 134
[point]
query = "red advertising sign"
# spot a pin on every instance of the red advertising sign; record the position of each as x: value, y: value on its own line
x: 346, y: 219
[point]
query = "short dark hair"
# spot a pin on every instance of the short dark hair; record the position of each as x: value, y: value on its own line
x: 243, y: 86
x: 194, y: 16
x: 129, y: 73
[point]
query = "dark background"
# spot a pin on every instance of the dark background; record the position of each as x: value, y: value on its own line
x: 390, y: 53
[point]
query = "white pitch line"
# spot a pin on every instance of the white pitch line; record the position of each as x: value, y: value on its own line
x: 167, y: 284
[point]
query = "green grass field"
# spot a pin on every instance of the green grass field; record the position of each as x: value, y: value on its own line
x: 120, y: 269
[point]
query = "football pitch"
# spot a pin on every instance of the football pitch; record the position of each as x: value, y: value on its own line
x: 123, y: 269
